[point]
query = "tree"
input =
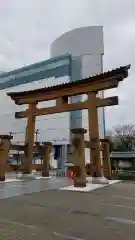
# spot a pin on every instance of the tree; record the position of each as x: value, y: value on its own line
x: 125, y: 137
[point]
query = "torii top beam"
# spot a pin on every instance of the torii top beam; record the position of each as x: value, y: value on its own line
x: 97, y: 83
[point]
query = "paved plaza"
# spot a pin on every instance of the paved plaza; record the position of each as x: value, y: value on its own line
x: 16, y: 187
x: 52, y: 214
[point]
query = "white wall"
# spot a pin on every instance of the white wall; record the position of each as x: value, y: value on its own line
x: 80, y: 41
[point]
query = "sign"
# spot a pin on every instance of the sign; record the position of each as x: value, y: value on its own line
x: 54, y: 67
x: 125, y: 164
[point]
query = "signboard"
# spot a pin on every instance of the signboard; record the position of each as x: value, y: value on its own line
x: 54, y: 67
x: 125, y: 164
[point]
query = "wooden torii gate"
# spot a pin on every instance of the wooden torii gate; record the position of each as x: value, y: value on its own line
x: 61, y: 93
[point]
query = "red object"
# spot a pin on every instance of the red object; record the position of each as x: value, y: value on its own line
x: 70, y: 174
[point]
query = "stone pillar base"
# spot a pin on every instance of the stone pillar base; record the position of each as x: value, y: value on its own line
x: 45, y: 174
x: 79, y: 183
x: 18, y: 175
x: 2, y: 178
x: 100, y: 180
x: 28, y: 177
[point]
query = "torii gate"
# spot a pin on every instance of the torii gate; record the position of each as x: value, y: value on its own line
x: 61, y: 93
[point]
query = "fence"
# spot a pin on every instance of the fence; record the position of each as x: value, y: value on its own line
x: 58, y: 173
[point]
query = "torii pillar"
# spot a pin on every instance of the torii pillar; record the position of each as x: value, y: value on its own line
x: 95, y: 154
x: 78, y: 156
x: 47, y: 148
x: 29, y: 139
x: 95, y: 157
x: 4, y: 150
x: 105, y: 145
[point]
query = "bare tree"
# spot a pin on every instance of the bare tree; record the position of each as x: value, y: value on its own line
x: 125, y: 135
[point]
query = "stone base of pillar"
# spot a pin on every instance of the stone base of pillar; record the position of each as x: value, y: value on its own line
x: 89, y: 179
x: 45, y: 174
x: 2, y: 178
x: 100, y: 180
x: 79, y: 182
x: 28, y: 177
x: 18, y: 175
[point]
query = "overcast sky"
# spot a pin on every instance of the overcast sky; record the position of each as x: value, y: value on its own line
x: 28, y: 28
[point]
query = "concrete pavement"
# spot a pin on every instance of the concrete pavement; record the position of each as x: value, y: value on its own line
x: 16, y: 188
x: 107, y: 213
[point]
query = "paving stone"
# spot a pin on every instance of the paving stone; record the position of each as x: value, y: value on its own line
x: 61, y: 215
